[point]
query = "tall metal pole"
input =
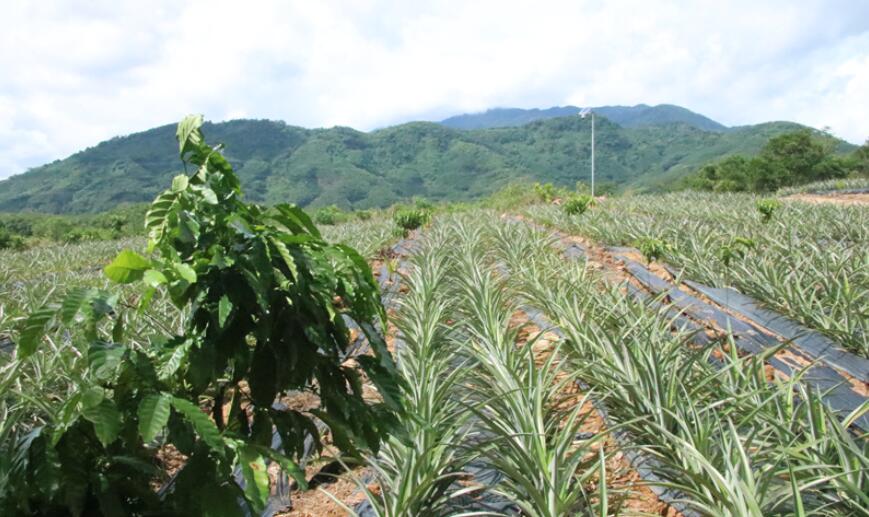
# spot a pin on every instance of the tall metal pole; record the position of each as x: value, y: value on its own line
x: 592, y: 154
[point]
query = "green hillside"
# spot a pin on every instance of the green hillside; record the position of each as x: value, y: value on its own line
x: 626, y: 116
x: 352, y: 169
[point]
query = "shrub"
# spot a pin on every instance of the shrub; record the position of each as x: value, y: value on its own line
x: 767, y: 208
x: 735, y: 249
x: 410, y: 218
x: 329, y: 215
x: 266, y: 299
x: 653, y: 249
x: 577, y: 204
x: 9, y: 241
x: 546, y: 192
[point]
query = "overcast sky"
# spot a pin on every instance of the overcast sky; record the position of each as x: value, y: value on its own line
x: 78, y: 72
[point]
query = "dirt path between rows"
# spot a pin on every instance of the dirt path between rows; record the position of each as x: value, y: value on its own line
x: 838, y: 199
x: 629, y: 492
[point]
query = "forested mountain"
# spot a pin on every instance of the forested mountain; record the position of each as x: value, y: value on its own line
x: 352, y: 169
x: 626, y: 116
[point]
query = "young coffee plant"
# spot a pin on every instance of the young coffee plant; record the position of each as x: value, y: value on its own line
x: 409, y: 219
x: 736, y: 248
x: 653, y: 249
x: 547, y: 192
x: 577, y: 204
x: 767, y: 208
x: 268, y: 302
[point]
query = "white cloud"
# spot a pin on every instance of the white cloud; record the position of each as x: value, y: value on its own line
x: 76, y: 73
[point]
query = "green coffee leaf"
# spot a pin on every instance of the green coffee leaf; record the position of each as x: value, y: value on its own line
x: 209, y: 196
x: 154, y: 278
x: 186, y: 272
x: 180, y: 183
x: 153, y: 415
x: 174, y: 360
x: 224, y: 307
x: 256, y: 478
x: 188, y: 133
x: 33, y: 330
x: 106, y: 420
x: 128, y: 267
x: 92, y: 397
x: 202, y: 424
x: 104, y: 359
x: 75, y: 300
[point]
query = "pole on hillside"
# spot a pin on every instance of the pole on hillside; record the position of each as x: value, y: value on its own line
x: 584, y: 113
x: 592, y: 155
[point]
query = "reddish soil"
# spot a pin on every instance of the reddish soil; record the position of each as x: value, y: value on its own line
x: 317, y: 503
x: 839, y: 199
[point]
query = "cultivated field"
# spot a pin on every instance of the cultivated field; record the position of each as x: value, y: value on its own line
x: 810, y: 261
x: 547, y: 374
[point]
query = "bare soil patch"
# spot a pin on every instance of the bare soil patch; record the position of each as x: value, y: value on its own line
x: 839, y: 199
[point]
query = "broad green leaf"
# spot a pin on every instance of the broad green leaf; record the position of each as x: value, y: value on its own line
x: 342, y: 435
x: 300, y: 217
x: 106, y: 420
x: 209, y: 196
x: 173, y: 361
x: 188, y: 228
x: 290, y: 467
x: 284, y: 252
x: 156, y: 215
x: 104, y: 359
x: 75, y: 300
x: 186, y: 272
x: 238, y: 223
x: 224, y: 307
x: 154, y: 278
x: 153, y: 415
x: 388, y: 385
x: 128, y: 267
x: 179, y: 183
x: 155, y: 218
x: 92, y: 397
x: 33, y: 330
x: 103, y: 305
x: 188, y: 133
x: 256, y: 478
x: 202, y: 424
